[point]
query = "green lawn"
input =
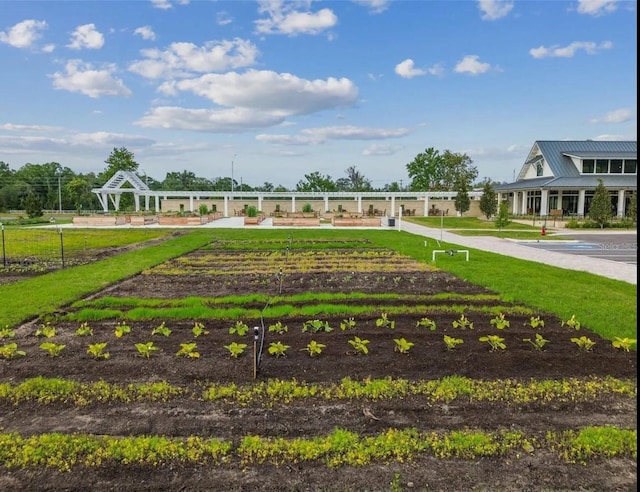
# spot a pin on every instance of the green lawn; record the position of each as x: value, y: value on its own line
x: 605, y: 306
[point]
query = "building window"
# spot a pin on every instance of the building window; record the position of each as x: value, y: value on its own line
x: 570, y: 202
x: 616, y: 166
x: 630, y: 166
x: 553, y: 199
x: 602, y: 166
x: 539, y: 169
x: 588, y: 165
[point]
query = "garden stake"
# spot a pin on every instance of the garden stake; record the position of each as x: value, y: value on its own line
x: 255, y: 352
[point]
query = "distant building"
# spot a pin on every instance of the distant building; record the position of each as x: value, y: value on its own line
x: 559, y: 177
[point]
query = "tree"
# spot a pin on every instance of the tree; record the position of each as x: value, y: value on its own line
x: 355, y: 181
x: 502, y: 219
x: 462, y: 203
x: 119, y: 160
x: 600, y: 207
x: 316, y: 182
x: 79, y: 191
x: 33, y: 206
x: 633, y: 207
x: 431, y: 170
x: 488, y: 201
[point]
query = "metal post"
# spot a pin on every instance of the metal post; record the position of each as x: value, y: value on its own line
x: 4, y: 256
x: 255, y: 352
x: 61, y: 246
x: 441, y: 222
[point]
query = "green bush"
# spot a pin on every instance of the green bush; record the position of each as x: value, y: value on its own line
x: 307, y: 208
x: 252, y: 211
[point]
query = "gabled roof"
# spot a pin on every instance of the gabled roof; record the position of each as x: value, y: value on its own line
x: 122, y: 177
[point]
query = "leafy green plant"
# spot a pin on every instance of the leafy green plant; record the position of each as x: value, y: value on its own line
x: 426, y: 323
x: 572, y: 323
x: 188, y: 350
x: 462, y: 322
x: 122, y: 329
x: 316, y: 325
x: 198, y: 329
x: 359, y: 345
x: 97, y: 350
x: 314, y: 348
x: 347, y: 324
x: 239, y: 328
x: 46, y: 330
x: 53, y: 349
x: 402, y: 345
x: 7, y: 332
x: 500, y: 322
x: 494, y: 341
x: 161, y: 329
x: 584, y: 343
x: 278, y: 349
x: 452, y: 342
x: 236, y: 349
x: 278, y: 328
x: 536, y: 322
x: 146, y: 349
x: 10, y: 350
x: 84, y: 330
x: 538, y: 342
x: 384, y: 321
x: 623, y: 343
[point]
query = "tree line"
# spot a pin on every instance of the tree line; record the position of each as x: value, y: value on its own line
x: 51, y: 186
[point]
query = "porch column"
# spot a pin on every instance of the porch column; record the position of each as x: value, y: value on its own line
x: 393, y: 206
x: 293, y: 203
x: 426, y: 205
x: 581, y: 202
x: 326, y: 203
x: 359, y: 206
x: 191, y: 203
x: 620, y: 203
x: 544, y: 203
x: 260, y: 202
x: 225, y: 206
x: 523, y: 203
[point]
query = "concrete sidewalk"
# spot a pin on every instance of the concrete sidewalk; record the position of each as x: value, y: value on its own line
x: 607, y: 268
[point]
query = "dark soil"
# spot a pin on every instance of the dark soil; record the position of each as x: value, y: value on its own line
x: 308, y: 417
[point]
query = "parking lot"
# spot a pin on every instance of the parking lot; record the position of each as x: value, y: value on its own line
x: 616, y: 246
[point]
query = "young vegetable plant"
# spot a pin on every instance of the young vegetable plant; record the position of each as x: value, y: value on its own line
x: 452, y: 342
x: 314, y: 348
x: 278, y: 349
x: 278, y: 328
x: 538, y: 342
x: 385, y: 322
x: 500, y: 322
x: 161, y: 330
x: 122, y: 329
x: 236, y: 349
x: 198, y: 329
x: 7, y: 332
x: 10, y: 350
x: 584, y: 343
x: 239, y: 328
x: 536, y: 322
x: 84, y: 330
x: 572, y: 323
x: 146, y: 349
x: 46, y: 330
x: 316, y: 325
x: 97, y: 350
x: 494, y: 341
x: 426, y: 323
x: 347, y: 324
x: 623, y: 343
x: 402, y: 345
x: 188, y: 350
x: 463, y: 323
x: 359, y: 345
x: 53, y: 349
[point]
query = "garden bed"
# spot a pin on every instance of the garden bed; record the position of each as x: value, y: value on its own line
x: 99, y: 220
x: 263, y: 285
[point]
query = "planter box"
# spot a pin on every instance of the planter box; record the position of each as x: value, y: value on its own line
x: 295, y: 222
x: 253, y: 220
x: 301, y: 215
x: 99, y: 220
x: 214, y: 216
x: 142, y: 220
x: 183, y: 221
x: 353, y: 222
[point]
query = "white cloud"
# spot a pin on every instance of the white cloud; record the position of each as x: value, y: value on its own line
x: 407, y: 70
x: 317, y: 136
x: 374, y: 6
x: 618, y: 116
x: 24, y: 34
x: 494, y: 9
x: 470, y: 64
x: 145, y: 32
x: 596, y: 7
x: 285, y: 18
x: 381, y: 149
x: 181, y: 59
x: 29, y: 128
x: 86, y: 36
x: 83, y: 78
x: 223, y: 18
x: 589, y: 47
x: 280, y: 93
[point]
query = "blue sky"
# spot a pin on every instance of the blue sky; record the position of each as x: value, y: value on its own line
x: 273, y: 90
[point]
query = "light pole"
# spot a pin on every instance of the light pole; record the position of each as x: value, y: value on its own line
x: 234, y: 158
x: 59, y: 196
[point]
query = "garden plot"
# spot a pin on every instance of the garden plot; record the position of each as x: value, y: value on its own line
x: 375, y: 372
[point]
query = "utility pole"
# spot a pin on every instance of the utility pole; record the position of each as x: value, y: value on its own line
x: 59, y: 196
